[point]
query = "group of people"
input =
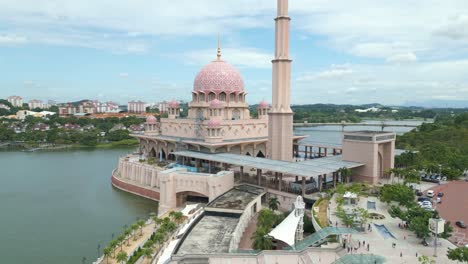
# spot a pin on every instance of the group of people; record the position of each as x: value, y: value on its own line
x: 351, y: 248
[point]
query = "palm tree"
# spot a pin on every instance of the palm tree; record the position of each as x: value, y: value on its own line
x: 171, y: 214
x: 345, y: 173
x: 127, y: 233
x: 148, y: 252
x: 178, y: 216
x: 107, y: 251
x: 121, y: 240
x: 122, y: 257
x: 113, y: 244
x: 141, y: 224
x: 261, y: 240
x: 273, y: 203
x: 134, y: 229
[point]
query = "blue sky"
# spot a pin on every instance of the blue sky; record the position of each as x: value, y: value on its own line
x: 355, y: 52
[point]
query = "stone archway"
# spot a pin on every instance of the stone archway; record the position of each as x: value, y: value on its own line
x: 260, y: 154
x: 190, y: 196
x: 152, y: 153
x: 162, y: 154
x: 248, y: 154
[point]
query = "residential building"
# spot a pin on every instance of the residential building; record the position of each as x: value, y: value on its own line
x: 136, y: 107
x: 33, y: 104
x: 16, y: 101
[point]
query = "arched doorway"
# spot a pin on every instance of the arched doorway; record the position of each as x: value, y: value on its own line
x: 380, y: 166
x: 152, y: 153
x: 162, y: 154
x: 248, y: 154
x: 260, y: 154
x: 190, y: 197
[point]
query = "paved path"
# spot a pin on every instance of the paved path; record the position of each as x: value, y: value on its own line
x: 407, y: 244
x: 246, y: 242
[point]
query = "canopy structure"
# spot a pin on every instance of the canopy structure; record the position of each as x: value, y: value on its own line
x: 189, y: 209
x: 350, y: 195
x: 318, y: 237
x: 286, y: 230
x: 308, y: 168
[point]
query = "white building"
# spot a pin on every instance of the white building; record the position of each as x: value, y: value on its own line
x: 4, y: 106
x: 35, y: 104
x: 163, y: 107
x: 15, y: 100
x: 136, y: 107
x: 22, y: 114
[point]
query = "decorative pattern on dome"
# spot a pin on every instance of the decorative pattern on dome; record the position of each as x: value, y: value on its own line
x: 214, y: 123
x: 218, y: 76
x: 263, y: 104
x: 174, y: 104
x: 151, y: 120
x: 216, y: 104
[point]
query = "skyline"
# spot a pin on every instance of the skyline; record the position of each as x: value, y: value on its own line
x: 151, y: 51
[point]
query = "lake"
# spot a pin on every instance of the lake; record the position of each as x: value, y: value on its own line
x: 58, y: 206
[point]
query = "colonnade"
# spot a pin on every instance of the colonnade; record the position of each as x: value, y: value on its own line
x: 320, y: 151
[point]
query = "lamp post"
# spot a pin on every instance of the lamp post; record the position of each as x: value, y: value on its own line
x: 98, y: 250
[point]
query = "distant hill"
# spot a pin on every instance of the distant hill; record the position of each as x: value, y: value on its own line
x: 438, y: 103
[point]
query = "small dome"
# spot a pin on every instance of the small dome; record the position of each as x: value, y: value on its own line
x: 263, y: 104
x: 214, y: 123
x: 218, y: 76
x: 151, y: 120
x: 216, y: 104
x: 174, y: 104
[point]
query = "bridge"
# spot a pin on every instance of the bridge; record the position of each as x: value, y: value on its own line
x: 345, y: 124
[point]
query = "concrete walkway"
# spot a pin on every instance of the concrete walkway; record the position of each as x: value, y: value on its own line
x: 408, y: 246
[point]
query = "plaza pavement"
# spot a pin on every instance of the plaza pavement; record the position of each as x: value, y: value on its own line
x: 407, y: 244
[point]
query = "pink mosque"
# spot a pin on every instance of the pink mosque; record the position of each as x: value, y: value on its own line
x: 219, y: 147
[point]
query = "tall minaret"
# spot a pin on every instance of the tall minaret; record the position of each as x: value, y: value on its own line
x: 280, y: 121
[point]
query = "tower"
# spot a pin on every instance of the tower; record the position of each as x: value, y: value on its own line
x: 280, y: 127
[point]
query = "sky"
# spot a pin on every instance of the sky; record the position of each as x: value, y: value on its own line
x: 360, y: 51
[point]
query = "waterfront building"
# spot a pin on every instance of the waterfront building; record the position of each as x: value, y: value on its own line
x: 136, y: 107
x: 16, y: 101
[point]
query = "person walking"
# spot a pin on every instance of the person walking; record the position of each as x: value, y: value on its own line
x: 367, y: 246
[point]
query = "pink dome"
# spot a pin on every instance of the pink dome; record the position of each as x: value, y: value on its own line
x: 151, y: 120
x: 214, y: 123
x: 174, y: 104
x: 216, y: 104
x: 218, y: 76
x: 263, y: 104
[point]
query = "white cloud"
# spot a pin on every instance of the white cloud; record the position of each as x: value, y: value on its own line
x: 12, y: 39
x: 402, y: 58
x: 240, y: 57
x: 123, y: 74
x: 335, y: 72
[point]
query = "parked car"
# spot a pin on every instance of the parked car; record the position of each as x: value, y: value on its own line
x: 430, y: 193
x: 440, y: 194
x: 420, y: 199
x: 444, y: 178
x: 460, y: 224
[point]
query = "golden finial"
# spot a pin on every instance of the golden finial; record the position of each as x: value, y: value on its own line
x: 219, y: 49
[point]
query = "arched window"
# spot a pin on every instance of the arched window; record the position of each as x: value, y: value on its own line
x: 232, y: 97
x: 202, y: 97
x: 222, y: 97
x: 211, y: 96
x: 200, y: 114
x: 236, y: 114
x: 194, y: 97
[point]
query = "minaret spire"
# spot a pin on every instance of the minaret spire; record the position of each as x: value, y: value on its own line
x: 219, y: 48
x: 280, y: 121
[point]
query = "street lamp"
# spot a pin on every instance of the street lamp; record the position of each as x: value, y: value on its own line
x: 98, y: 248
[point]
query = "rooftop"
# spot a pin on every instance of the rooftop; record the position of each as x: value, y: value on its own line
x: 309, y: 168
x: 237, y: 198
x: 212, y: 234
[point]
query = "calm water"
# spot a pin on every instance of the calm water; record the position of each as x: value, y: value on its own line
x: 333, y: 134
x: 56, y: 207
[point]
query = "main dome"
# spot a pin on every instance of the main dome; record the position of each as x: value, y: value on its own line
x: 218, y: 76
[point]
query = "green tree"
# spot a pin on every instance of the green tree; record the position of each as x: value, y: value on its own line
x: 107, y: 252
x: 426, y: 260
x: 178, y: 217
x: 141, y: 224
x: 148, y: 252
x: 273, y: 203
x: 398, y: 193
x: 362, y: 216
x: 121, y: 240
x: 345, y: 173
x: 261, y: 240
x: 127, y: 234
x: 448, y: 230
x: 458, y: 254
x: 267, y: 218
x: 419, y: 225
x: 122, y: 257
x: 113, y: 244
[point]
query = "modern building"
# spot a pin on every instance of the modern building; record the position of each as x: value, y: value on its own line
x: 136, y: 107
x: 33, y: 104
x: 16, y: 101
